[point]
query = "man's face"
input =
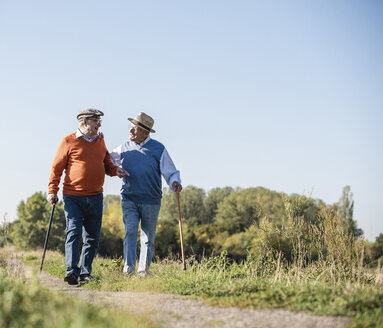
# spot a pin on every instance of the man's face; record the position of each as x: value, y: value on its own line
x: 137, y: 134
x: 92, y: 125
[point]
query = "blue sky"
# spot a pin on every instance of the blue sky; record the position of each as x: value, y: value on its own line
x: 280, y: 94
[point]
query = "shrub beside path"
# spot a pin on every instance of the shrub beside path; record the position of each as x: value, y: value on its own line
x: 178, y: 311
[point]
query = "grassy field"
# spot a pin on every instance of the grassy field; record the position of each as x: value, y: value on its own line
x: 320, y: 288
x: 26, y: 304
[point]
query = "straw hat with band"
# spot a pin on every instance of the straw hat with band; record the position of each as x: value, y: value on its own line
x: 143, y: 121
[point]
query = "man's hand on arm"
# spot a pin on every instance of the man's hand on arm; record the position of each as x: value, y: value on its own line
x: 52, y: 198
x: 121, y: 172
x: 176, y: 186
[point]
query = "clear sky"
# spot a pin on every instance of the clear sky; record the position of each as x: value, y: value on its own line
x: 281, y: 94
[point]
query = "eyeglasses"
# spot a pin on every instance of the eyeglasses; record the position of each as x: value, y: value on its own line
x: 97, y: 120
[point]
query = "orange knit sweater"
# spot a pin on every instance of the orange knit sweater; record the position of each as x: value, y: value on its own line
x: 85, y: 165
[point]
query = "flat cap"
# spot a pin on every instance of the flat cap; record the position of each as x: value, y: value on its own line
x: 89, y: 112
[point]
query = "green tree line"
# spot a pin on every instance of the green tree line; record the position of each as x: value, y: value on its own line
x: 240, y: 222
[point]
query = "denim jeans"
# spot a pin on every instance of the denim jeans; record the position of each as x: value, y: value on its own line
x: 132, y: 214
x: 83, y: 216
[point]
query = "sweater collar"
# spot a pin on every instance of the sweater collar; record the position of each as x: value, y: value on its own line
x: 80, y: 135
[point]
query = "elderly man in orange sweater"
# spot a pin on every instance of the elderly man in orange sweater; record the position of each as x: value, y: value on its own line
x: 86, y: 160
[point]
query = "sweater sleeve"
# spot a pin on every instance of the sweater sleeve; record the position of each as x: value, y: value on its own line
x: 110, y: 168
x: 59, y: 163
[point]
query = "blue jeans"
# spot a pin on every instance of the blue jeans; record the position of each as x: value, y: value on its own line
x: 132, y: 214
x: 83, y: 216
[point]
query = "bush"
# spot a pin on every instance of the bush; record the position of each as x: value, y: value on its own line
x: 29, y: 231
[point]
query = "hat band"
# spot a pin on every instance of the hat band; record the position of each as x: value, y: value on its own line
x: 142, y: 126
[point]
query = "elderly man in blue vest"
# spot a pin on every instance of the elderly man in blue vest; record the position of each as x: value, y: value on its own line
x: 146, y: 160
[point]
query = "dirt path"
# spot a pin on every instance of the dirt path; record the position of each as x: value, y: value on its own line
x: 178, y: 312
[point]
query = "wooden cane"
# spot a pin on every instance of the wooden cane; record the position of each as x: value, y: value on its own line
x: 181, y: 235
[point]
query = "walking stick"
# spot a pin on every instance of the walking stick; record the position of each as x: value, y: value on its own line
x: 180, y: 224
x: 47, y: 236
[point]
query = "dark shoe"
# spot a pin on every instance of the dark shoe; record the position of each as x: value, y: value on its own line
x: 71, y: 279
x: 85, y: 279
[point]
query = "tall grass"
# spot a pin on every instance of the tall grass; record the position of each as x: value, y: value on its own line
x: 27, y: 304
x: 257, y: 282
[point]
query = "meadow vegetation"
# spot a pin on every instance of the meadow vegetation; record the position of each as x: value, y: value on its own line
x: 266, y: 281
x: 252, y: 248
x: 26, y: 304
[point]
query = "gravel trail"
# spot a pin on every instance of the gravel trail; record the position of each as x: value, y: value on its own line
x: 179, y: 312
